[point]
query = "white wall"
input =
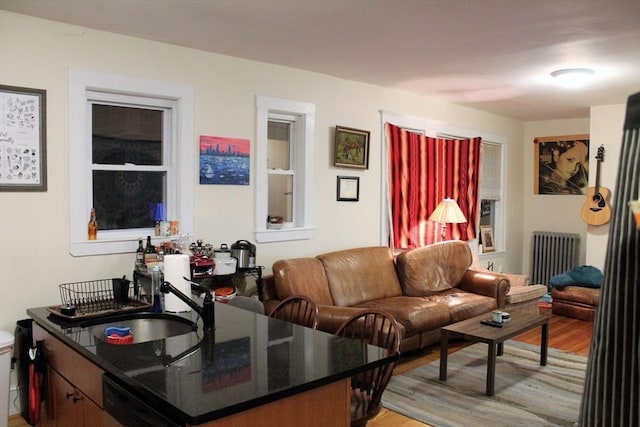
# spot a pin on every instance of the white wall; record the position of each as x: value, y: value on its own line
x: 38, y: 54
x: 607, y: 124
x: 544, y: 212
x: 562, y: 213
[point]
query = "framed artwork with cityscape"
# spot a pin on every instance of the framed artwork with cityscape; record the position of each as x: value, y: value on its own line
x: 224, y: 160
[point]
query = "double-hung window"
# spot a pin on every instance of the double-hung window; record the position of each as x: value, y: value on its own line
x: 284, y: 169
x: 130, y: 158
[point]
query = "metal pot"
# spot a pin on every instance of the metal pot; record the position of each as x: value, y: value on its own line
x: 245, y: 253
x: 222, y: 252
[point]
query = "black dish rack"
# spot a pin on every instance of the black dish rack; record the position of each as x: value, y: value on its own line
x: 94, y: 298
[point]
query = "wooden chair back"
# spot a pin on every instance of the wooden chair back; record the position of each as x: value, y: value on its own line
x: 379, y: 328
x: 297, y: 309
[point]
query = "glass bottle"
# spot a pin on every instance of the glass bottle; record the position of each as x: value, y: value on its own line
x: 150, y: 256
x: 156, y: 294
x: 139, y: 254
x: 149, y: 249
x: 93, y: 225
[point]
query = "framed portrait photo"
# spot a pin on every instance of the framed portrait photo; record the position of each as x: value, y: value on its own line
x: 561, y: 165
x: 348, y: 189
x: 486, y: 233
x: 351, y: 148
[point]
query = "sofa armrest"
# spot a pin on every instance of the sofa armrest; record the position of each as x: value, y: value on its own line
x: 331, y: 317
x: 269, y: 295
x: 489, y: 284
x: 269, y: 288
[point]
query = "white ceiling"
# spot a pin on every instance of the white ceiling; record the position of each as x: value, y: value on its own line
x: 493, y: 55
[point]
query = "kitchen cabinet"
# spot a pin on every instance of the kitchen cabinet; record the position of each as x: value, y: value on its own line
x: 67, y: 406
x: 196, y: 379
x: 74, y: 386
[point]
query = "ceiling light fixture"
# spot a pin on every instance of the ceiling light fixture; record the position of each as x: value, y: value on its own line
x: 573, y: 77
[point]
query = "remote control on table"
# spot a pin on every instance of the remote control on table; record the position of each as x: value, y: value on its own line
x: 491, y: 323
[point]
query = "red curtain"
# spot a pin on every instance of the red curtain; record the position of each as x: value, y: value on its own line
x: 422, y: 172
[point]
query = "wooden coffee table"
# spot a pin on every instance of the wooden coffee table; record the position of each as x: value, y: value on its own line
x: 473, y: 330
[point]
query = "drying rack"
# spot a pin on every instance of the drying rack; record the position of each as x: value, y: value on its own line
x: 96, y: 298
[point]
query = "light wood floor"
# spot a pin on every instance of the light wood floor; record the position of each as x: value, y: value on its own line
x: 564, y: 333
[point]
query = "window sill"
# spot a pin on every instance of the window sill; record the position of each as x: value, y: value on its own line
x: 284, y: 234
x: 109, y: 246
x: 487, y: 255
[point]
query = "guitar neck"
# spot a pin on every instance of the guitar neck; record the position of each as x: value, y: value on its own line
x: 597, y: 186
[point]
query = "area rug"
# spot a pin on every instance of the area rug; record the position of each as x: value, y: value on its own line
x: 526, y: 394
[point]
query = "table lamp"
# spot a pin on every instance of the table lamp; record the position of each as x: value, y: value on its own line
x: 446, y: 212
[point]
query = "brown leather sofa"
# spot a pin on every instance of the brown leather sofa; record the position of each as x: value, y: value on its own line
x: 424, y: 288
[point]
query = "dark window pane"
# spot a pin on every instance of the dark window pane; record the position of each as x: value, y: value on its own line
x: 126, y: 135
x: 127, y: 199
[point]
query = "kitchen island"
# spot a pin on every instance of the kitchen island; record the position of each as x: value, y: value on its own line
x: 251, y: 370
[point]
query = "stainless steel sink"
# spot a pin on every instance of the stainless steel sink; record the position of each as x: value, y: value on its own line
x: 144, y: 326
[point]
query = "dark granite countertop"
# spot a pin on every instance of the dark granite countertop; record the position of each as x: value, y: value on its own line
x: 249, y: 360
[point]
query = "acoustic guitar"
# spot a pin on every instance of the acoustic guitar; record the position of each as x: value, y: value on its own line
x: 596, y: 210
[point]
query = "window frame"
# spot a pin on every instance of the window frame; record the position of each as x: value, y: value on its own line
x: 84, y: 88
x: 302, y: 147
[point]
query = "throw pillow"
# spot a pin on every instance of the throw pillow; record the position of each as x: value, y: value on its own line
x: 586, y: 276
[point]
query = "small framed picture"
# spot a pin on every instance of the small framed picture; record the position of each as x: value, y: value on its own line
x: 486, y: 234
x: 348, y: 189
x: 351, y: 148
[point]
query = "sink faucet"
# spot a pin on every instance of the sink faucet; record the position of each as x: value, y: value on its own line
x: 206, y: 312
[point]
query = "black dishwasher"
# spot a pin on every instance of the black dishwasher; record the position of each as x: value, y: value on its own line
x: 128, y: 410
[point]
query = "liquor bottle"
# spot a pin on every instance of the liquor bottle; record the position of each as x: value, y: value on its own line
x: 139, y: 255
x: 150, y: 256
x: 149, y: 249
x: 93, y: 225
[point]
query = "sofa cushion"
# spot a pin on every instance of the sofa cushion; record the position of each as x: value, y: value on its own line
x: 361, y: 274
x: 463, y: 305
x: 303, y: 276
x: 432, y: 269
x: 414, y: 314
x: 525, y: 293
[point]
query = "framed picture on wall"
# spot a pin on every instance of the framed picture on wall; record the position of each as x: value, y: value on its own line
x: 561, y: 164
x: 351, y: 148
x: 23, y: 139
x: 348, y: 189
x: 486, y: 234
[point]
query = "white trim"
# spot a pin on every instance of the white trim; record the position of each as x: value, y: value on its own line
x: 305, y: 125
x: 80, y: 82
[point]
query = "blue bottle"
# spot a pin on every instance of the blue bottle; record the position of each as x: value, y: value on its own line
x: 156, y: 282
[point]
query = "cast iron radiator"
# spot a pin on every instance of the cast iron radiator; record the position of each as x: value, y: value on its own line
x: 552, y: 253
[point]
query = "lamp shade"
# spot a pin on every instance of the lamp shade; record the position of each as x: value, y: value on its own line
x: 159, y: 212
x: 448, y: 211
